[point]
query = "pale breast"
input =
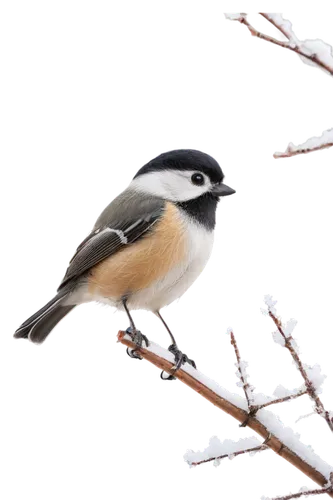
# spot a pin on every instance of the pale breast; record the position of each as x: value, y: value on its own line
x: 143, y: 263
x: 198, y: 243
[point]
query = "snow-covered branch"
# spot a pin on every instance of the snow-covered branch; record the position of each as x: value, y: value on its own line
x: 232, y: 448
x: 242, y: 375
x: 314, y: 52
x: 230, y: 455
x: 283, y: 399
x: 313, y: 144
x: 305, y: 493
x: 282, y: 440
x: 312, y: 376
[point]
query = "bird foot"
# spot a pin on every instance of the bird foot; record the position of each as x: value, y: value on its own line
x: 138, y: 338
x: 181, y: 357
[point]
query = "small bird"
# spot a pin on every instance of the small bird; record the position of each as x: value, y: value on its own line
x: 147, y: 247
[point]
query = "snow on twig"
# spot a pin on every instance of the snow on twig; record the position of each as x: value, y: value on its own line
x: 241, y: 373
x: 313, y: 144
x: 313, y: 380
x: 231, y: 449
x: 315, y: 52
x: 283, y: 399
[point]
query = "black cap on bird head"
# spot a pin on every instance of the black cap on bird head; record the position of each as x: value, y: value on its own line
x: 185, y: 159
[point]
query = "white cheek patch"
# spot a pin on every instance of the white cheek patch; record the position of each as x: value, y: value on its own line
x: 171, y: 185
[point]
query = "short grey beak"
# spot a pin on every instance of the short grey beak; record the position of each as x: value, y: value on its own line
x: 222, y: 190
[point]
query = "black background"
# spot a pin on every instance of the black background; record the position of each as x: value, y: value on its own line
x: 90, y: 93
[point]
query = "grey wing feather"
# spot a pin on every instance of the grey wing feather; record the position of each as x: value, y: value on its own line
x: 125, y: 220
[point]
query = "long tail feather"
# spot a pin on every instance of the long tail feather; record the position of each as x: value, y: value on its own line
x: 40, y: 324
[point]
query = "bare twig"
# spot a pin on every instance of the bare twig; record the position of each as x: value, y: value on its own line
x: 298, y: 49
x: 279, y: 29
x: 327, y: 489
x: 235, y: 454
x: 242, y: 374
x: 258, y: 34
x: 310, y: 388
x: 193, y: 379
x: 282, y: 400
x: 319, y: 491
x: 290, y: 44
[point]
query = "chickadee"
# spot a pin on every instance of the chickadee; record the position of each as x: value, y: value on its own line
x: 147, y: 247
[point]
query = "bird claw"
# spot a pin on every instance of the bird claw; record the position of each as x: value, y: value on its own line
x: 180, y: 359
x: 165, y: 378
x: 138, y: 338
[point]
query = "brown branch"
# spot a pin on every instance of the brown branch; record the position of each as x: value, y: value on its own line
x: 231, y: 409
x: 285, y: 45
x: 261, y: 447
x: 258, y: 34
x: 302, y: 151
x: 310, y: 388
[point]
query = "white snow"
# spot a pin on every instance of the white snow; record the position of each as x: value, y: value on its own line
x: 277, y: 338
x: 294, y: 345
x: 289, y: 327
x: 218, y: 464
x: 217, y: 448
x: 217, y: 444
x: 208, y: 382
x: 280, y: 392
x: 284, y: 24
x: 316, y: 376
x: 315, y: 141
x: 261, y: 309
x: 270, y: 304
x: 261, y: 399
x: 292, y: 440
x: 317, y: 47
x: 287, y: 330
x: 323, y: 51
x: 234, y: 16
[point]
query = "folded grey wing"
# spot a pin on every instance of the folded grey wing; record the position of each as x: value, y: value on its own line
x: 106, y: 241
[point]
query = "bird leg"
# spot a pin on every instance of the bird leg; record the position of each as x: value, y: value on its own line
x: 180, y: 357
x: 135, y: 334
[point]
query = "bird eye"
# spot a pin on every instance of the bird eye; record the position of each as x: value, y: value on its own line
x: 198, y: 179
